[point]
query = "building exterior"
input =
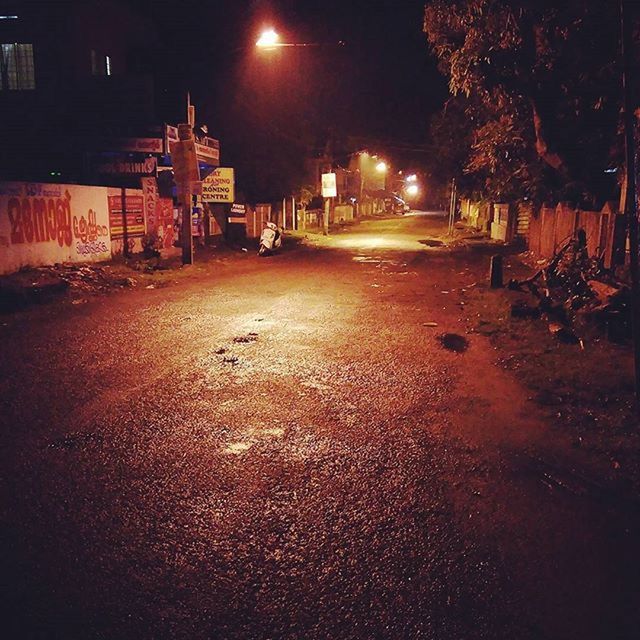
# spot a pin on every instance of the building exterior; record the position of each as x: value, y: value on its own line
x: 80, y: 99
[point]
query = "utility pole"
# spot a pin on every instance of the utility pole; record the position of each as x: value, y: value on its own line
x: 452, y: 207
x: 187, y: 178
x: 630, y: 205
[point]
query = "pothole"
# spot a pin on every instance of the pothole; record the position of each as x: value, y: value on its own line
x: 454, y: 342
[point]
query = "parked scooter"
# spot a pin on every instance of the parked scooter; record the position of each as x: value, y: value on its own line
x: 270, y: 239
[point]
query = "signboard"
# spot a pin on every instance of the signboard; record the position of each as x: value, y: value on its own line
x: 170, y: 136
x: 207, y: 149
x: 165, y: 218
x: 146, y: 167
x: 219, y: 186
x: 210, y: 155
x: 329, y: 188
x: 141, y: 145
x: 151, y: 200
x: 238, y: 214
x: 42, y: 224
x: 134, y: 216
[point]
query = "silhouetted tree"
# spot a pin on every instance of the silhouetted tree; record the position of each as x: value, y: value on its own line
x: 542, y: 88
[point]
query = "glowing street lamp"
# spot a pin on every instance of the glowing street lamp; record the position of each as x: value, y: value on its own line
x: 412, y: 178
x: 381, y: 167
x: 412, y: 190
x: 268, y: 39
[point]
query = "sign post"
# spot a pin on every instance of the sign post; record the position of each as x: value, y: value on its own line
x: 187, y: 175
x: 329, y: 191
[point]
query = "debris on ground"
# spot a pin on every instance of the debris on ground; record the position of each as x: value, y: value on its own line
x: 575, y: 290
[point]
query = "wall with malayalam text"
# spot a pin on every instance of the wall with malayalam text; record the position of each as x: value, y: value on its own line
x: 43, y: 224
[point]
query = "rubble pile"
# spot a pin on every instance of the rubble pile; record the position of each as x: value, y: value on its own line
x: 85, y: 278
x: 575, y: 293
x: 42, y: 284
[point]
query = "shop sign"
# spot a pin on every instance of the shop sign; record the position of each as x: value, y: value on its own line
x: 219, y: 185
x: 208, y: 154
x: 146, y: 167
x: 140, y: 145
x: 134, y: 216
x: 151, y: 198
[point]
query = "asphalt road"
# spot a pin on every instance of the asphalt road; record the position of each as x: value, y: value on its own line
x: 282, y: 448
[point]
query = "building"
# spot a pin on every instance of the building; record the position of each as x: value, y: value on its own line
x: 80, y: 99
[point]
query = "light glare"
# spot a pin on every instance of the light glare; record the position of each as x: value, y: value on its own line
x: 268, y: 38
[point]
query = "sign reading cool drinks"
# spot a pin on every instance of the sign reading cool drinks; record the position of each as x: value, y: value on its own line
x: 219, y: 186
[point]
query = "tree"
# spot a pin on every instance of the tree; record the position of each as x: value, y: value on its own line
x: 542, y: 89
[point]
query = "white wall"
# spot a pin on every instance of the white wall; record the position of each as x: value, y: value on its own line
x: 42, y: 224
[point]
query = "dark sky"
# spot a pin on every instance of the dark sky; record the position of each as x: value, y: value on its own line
x: 386, y: 85
x: 272, y: 109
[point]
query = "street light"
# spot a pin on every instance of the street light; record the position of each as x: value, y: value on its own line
x: 270, y: 39
x: 412, y: 190
x: 381, y: 167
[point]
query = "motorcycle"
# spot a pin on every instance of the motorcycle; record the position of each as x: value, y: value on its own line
x: 270, y: 239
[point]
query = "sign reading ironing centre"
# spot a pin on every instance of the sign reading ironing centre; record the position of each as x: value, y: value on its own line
x: 219, y: 186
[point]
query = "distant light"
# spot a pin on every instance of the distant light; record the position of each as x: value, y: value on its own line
x: 381, y: 167
x: 614, y: 170
x: 107, y: 60
x: 8, y: 17
x: 412, y: 178
x: 268, y: 38
x: 413, y: 190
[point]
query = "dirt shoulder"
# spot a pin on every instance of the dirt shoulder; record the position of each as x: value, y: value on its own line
x: 585, y: 389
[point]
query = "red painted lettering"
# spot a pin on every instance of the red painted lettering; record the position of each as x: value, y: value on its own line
x: 26, y: 220
x: 15, y: 218
x: 63, y: 216
x: 52, y: 221
x: 38, y: 212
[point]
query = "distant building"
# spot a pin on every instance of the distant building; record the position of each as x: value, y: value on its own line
x: 79, y: 100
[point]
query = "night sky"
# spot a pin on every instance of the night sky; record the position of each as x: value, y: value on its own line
x: 377, y: 91
x: 389, y: 77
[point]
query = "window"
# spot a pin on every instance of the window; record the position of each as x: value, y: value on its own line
x: 16, y: 67
x: 107, y: 61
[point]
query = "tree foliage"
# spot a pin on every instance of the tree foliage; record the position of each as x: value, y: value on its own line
x: 540, y: 85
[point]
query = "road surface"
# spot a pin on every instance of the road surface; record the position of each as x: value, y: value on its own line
x: 284, y: 448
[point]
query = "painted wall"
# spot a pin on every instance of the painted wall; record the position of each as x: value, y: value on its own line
x: 42, y: 224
